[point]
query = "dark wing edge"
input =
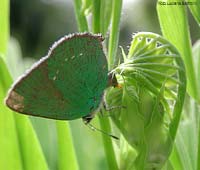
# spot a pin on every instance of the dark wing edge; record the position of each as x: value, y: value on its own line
x: 13, y: 100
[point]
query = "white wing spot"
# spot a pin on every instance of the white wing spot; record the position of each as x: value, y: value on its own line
x: 81, y: 54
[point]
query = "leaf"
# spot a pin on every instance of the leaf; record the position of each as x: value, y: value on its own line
x: 196, y: 59
x: 184, y: 155
x: 4, y: 28
x: 194, y: 6
x: 10, y: 157
x: 174, y: 24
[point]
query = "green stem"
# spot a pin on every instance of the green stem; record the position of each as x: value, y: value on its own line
x: 198, y: 139
x: 104, y: 123
x: 114, y: 33
x: 66, y: 153
x: 108, y: 146
x: 198, y: 153
x: 96, y: 16
x: 80, y: 16
x: 105, y: 15
x: 4, y: 25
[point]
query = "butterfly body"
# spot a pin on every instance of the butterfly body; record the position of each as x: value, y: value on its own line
x: 66, y: 84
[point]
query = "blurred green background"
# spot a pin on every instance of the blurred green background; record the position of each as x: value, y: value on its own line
x: 35, y: 25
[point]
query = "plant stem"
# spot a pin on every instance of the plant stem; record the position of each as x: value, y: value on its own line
x: 96, y: 16
x: 198, y: 139
x: 104, y: 123
x: 80, y: 16
x: 65, y: 147
x: 108, y: 146
x: 105, y: 15
x: 114, y: 33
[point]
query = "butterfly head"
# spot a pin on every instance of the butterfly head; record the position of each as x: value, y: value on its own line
x: 112, y: 80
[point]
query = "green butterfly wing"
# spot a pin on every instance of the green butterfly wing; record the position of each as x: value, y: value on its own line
x: 67, y: 84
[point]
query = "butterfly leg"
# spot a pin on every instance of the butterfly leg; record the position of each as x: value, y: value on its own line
x: 87, y: 119
x: 108, y: 109
x: 105, y: 106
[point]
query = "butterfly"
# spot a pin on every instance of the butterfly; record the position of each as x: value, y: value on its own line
x: 66, y: 84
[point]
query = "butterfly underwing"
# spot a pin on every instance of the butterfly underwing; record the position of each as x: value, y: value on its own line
x: 66, y: 84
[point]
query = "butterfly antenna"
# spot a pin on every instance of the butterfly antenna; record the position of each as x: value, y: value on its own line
x: 96, y: 129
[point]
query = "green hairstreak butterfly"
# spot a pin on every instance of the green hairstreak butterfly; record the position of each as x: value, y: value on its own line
x: 67, y: 84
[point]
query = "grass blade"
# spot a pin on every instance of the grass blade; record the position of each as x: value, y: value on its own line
x: 105, y: 15
x: 30, y: 148
x: 4, y: 25
x: 108, y: 146
x: 80, y: 16
x: 196, y: 57
x: 10, y: 157
x: 27, y: 142
x: 114, y: 33
x: 174, y: 25
x: 96, y: 16
x: 66, y: 153
x: 195, y: 9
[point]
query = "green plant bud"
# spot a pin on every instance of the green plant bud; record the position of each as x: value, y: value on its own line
x: 152, y: 77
